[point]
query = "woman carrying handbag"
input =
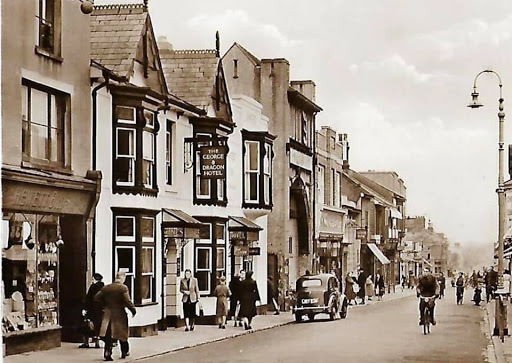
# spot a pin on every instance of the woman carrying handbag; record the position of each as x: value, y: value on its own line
x: 190, y: 291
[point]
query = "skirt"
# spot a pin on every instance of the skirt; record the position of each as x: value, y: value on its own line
x: 189, y: 309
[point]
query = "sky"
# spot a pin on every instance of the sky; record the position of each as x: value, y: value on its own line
x: 396, y: 76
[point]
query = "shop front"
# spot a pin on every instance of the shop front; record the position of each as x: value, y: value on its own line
x: 243, y: 238
x: 45, y: 256
x: 330, y: 243
x: 178, y: 229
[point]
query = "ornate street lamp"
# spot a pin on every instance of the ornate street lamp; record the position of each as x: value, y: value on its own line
x: 475, y: 103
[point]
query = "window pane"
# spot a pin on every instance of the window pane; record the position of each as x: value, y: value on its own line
x: 266, y: 180
x: 147, y: 227
x: 39, y: 142
x: 149, y: 116
x: 147, y: 145
x: 125, y: 142
x: 220, y: 231
x: 124, y: 170
x: 203, y: 278
x: 125, y: 227
x: 204, y: 231
x: 220, y: 258
x: 203, y: 259
x: 125, y: 113
x: 125, y: 259
x: 146, y: 285
x: 24, y: 102
x: 39, y: 107
x: 253, y: 159
x: 129, y: 283
x: 253, y: 183
x: 56, y: 145
x: 147, y: 260
x: 25, y: 137
x: 147, y: 172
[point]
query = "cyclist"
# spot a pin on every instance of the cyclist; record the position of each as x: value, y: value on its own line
x: 427, y: 287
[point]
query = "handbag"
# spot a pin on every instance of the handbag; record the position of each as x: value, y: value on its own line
x: 201, y: 311
x: 88, y: 325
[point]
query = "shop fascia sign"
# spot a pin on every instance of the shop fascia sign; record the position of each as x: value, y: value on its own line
x: 213, y: 162
x: 331, y: 222
x: 301, y: 160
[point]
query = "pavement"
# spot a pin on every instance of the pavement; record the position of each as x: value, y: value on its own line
x: 377, y: 332
x: 174, y: 340
x: 502, y: 351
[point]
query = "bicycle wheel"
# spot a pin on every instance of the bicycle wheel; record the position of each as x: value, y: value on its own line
x: 426, y: 321
x: 501, y: 319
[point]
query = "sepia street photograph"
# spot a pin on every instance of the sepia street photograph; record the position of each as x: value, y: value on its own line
x: 256, y: 181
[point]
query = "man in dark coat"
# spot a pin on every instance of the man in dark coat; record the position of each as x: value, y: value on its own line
x: 492, y: 282
x: 271, y: 296
x: 427, y: 287
x: 234, y: 286
x: 361, y: 281
x: 249, y: 294
x: 114, y: 298
x: 91, y: 313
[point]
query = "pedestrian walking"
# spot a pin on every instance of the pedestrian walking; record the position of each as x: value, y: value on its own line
x: 91, y: 314
x: 442, y: 285
x: 271, y: 296
x: 492, y: 281
x: 349, y: 289
x: 249, y: 294
x: 379, y: 285
x: 222, y: 293
x: 114, y: 299
x: 361, y: 281
x: 234, y: 300
x: 190, y: 291
x: 369, y: 287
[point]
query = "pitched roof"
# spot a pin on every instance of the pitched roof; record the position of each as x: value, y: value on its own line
x: 190, y: 74
x: 255, y: 60
x: 116, y: 31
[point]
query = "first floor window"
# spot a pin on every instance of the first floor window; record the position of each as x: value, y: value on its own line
x: 125, y: 157
x: 148, y: 157
x: 252, y: 170
x: 135, y: 254
x: 168, y: 153
x: 267, y: 173
x: 44, y: 115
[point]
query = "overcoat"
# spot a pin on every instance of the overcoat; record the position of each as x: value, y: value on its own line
x: 114, y: 298
x: 249, y: 294
x: 222, y: 293
x: 92, y: 312
x: 349, y: 288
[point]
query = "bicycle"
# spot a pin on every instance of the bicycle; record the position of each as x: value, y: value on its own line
x: 427, y: 317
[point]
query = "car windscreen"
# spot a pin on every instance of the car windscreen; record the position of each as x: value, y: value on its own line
x: 311, y: 283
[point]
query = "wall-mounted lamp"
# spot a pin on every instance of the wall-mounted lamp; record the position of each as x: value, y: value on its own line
x: 86, y: 6
x: 188, y: 159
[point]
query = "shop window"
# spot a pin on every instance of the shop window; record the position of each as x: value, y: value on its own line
x: 44, y: 119
x: 135, y: 250
x: 48, y: 18
x: 257, y: 169
x: 30, y: 266
x: 135, y: 150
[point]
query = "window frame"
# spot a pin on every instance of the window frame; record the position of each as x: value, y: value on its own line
x: 169, y: 152
x: 209, y: 269
x: 132, y: 158
x: 321, y: 184
x: 138, y: 243
x: 248, y: 172
x: 53, y: 22
x: 54, y: 99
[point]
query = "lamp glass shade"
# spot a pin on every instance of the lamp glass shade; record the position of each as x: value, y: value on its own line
x: 475, y: 103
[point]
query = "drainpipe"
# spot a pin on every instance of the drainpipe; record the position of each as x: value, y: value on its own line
x: 94, y: 143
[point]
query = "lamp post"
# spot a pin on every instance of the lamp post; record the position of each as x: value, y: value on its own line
x: 501, y: 190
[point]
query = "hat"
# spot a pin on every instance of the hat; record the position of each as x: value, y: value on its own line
x: 97, y: 276
x: 222, y: 279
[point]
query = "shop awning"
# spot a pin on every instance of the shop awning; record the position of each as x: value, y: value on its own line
x: 242, y: 223
x: 395, y: 213
x: 507, y: 253
x: 378, y: 253
x: 428, y: 263
x: 178, y: 224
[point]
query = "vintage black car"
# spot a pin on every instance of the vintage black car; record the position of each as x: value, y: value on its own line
x: 319, y: 294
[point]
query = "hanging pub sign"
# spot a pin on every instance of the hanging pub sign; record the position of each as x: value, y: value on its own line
x: 237, y: 235
x: 254, y: 251
x: 241, y: 250
x: 361, y: 233
x: 213, y: 162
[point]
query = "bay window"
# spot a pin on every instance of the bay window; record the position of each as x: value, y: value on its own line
x: 134, y: 163
x: 257, y: 169
x: 45, y: 117
x: 135, y: 251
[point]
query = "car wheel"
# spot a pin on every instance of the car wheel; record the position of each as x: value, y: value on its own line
x: 344, y: 310
x: 298, y: 318
x: 332, y: 312
x: 311, y: 317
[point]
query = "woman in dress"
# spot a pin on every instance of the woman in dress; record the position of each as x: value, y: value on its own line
x: 349, y: 289
x: 369, y: 287
x: 249, y: 294
x: 379, y: 284
x: 222, y: 293
x: 190, y: 291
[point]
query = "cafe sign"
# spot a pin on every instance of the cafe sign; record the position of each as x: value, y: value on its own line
x: 213, y: 162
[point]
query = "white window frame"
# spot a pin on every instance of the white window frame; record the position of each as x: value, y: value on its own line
x: 152, y: 113
x: 126, y: 121
x: 128, y: 274
x: 125, y: 238
x: 338, y: 188
x: 321, y: 184
x: 248, y: 172
x: 267, y: 173
x: 209, y: 269
x: 152, y: 159
x: 223, y: 270
x: 333, y: 187
x: 203, y: 240
x: 133, y: 157
x: 223, y: 239
x: 152, y: 274
x: 149, y: 239
x: 198, y: 171
x: 169, y: 155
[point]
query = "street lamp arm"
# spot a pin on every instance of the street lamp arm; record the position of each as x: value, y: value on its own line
x: 493, y: 72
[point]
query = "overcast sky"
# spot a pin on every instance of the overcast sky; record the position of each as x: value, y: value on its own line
x: 396, y: 76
